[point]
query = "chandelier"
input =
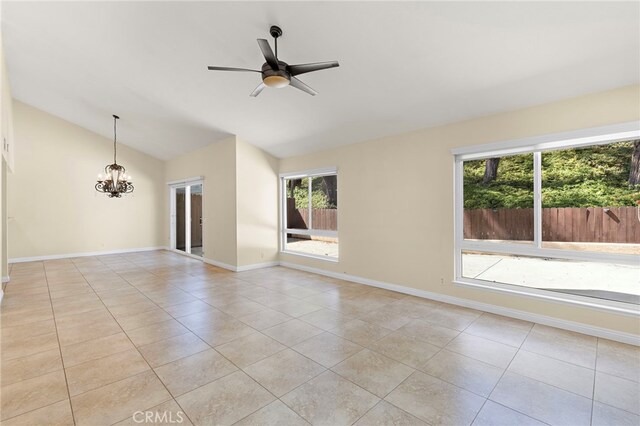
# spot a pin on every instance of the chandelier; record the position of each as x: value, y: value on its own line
x: 116, y: 181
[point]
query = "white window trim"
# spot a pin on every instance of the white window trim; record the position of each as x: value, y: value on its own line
x: 283, y: 213
x: 310, y: 173
x: 572, y: 139
x: 537, y: 145
x: 314, y: 232
x: 557, y: 297
x: 188, y: 181
x: 311, y: 256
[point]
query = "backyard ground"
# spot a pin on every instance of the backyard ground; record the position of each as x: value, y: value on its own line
x: 314, y: 247
x: 553, y: 274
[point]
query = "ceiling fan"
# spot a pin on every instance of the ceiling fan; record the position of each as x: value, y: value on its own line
x: 278, y: 74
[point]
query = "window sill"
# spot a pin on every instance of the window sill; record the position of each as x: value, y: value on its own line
x: 311, y: 256
x: 562, y: 298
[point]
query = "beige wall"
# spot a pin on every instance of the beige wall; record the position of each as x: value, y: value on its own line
x: 6, y: 111
x: 4, y: 215
x: 53, y: 206
x: 7, y: 148
x: 217, y: 164
x: 257, y: 205
x: 240, y: 224
x: 396, y: 199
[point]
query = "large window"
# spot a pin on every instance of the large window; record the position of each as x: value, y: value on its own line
x: 557, y: 216
x: 310, y: 213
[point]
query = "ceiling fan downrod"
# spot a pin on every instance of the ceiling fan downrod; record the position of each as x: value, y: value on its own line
x: 275, y: 32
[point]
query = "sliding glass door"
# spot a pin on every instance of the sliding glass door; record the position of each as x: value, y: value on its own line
x: 186, y: 218
x: 196, y: 220
x: 180, y: 219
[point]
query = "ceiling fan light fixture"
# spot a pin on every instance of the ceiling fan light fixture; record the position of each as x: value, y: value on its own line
x: 276, y: 81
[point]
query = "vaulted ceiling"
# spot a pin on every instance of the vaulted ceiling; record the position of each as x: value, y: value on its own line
x: 403, y: 65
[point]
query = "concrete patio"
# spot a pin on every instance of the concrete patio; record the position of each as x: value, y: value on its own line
x: 553, y: 274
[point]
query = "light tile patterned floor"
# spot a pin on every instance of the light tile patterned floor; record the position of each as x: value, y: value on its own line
x: 92, y: 341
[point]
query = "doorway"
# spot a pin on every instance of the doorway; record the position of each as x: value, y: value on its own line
x: 186, y: 218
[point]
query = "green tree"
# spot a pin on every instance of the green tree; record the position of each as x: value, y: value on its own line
x: 320, y: 196
x: 598, y: 176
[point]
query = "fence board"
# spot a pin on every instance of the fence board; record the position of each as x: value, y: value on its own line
x: 633, y: 233
x: 325, y: 219
x: 584, y: 224
x: 568, y: 226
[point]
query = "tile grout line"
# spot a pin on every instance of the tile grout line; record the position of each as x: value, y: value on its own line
x: 303, y: 355
x: 135, y: 347
x: 367, y: 348
x: 533, y: 333
x: 407, y: 378
x: 64, y: 370
x: 519, y: 349
x: 374, y: 351
x: 500, y: 379
x: 36, y: 353
x: 238, y: 368
x: 141, y: 354
x: 413, y: 368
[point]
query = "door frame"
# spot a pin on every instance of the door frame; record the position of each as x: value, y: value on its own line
x: 187, y: 184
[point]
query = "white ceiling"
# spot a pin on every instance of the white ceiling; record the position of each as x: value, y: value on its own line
x: 403, y: 65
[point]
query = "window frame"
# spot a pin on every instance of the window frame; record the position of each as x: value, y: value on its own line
x: 326, y: 171
x: 537, y: 145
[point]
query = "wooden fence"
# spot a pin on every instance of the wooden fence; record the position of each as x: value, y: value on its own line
x: 581, y: 224
x: 325, y: 219
x: 584, y: 224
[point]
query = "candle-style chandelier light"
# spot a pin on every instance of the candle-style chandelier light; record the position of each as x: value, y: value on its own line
x: 117, y: 181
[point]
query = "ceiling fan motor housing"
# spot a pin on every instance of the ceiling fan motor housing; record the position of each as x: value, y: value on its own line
x: 276, y: 78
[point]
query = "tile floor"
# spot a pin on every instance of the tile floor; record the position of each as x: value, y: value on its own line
x: 160, y: 337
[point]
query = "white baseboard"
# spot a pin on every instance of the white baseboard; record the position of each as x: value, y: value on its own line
x: 257, y: 266
x: 6, y: 279
x: 219, y: 264
x: 244, y: 268
x: 632, y: 339
x: 83, y: 254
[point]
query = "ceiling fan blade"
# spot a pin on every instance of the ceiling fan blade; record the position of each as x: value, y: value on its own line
x: 301, y: 86
x: 230, y: 69
x: 317, y: 66
x: 268, y: 54
x: 258, y: 89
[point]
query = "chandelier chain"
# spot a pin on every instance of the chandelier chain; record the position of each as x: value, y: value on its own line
x: 115, y: 137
